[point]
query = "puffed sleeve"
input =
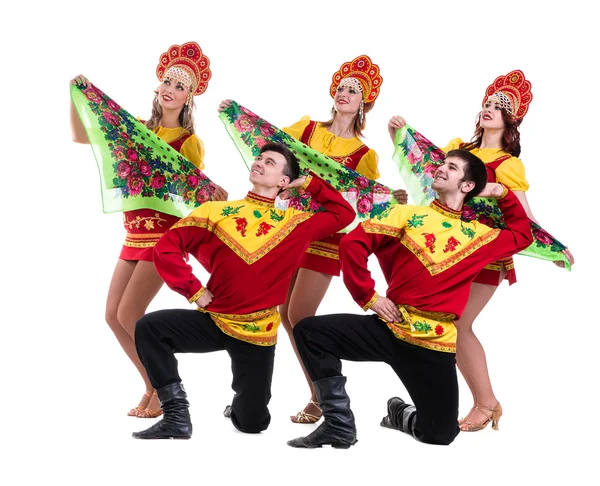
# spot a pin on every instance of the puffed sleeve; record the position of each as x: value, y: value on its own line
x: 454, y: 144
x: 368, y: 165
x: 511, y: 173
x: 297, y: 129
x: 193, y: 150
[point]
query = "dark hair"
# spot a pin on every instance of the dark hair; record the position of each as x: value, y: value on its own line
x: 292, y: 167
x: 511, y: 138
x: 474, y: 170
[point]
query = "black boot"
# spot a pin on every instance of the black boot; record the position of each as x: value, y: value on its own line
x: 338, y: 428
x: 401, y: 416
x: 228, y: 409
x: 176, y: 423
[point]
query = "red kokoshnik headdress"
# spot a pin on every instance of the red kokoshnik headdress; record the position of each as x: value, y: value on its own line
x: 511, y: 92
x: 187, y: 65
x: 364, y: 72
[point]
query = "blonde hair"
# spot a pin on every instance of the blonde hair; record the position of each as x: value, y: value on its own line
x: 357, y: 126
x: 186, y: 116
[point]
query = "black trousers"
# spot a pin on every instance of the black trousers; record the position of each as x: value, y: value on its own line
x: 429, y: 376
x: 159, y: 335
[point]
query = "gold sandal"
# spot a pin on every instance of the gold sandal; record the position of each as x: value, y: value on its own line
x: 494, y: 418
x: 303, y: 417
x: 463, y: 420
x: 150, y: 412
x: 134, y: 412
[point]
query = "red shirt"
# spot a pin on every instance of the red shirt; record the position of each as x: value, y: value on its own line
x: 428, y: 255
x: 250, y: 248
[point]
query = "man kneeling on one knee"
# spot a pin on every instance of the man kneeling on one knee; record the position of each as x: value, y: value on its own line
x: 429, y: 257
x: 252, y: 250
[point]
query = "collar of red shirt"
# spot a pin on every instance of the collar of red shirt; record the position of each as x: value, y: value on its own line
x: 445, y: 210
x: 260, y: 200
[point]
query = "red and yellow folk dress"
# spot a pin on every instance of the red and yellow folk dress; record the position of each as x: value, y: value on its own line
x: 144, y: 227
x: 510, y: 172
x: 323, y: 256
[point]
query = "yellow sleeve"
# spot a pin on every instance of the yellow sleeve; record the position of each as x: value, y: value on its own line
x: 193, y: 150
x: 202, y: 212
x: 511, y: 173
x: 368, y: 165
x: 297, y: 129
x: 452, y: 145
x: 394, y: 219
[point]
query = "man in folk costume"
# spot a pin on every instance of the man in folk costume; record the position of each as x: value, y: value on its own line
x: 497, y: 142
x: 429, y: 257
x: 251, y: 249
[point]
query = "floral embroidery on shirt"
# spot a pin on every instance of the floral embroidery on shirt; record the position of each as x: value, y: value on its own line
x: 467, y: 231
x: 451, y: 244
x: 439, y: 330
x: 275, y: 217
x: 263, y: 228
x: 447, y: 224
x: 429, y: 241
x: 241, y: 225
x: 257, y: 213
x: 228, y: 210
x: 416, y: 221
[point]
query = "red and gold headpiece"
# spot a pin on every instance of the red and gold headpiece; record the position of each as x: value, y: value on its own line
x: 511, y: 92
x: 361, y: 73
x: 187, y: 65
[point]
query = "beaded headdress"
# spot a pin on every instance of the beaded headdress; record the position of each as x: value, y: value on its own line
x: 360, y: 73
x: 187, y: 65
x: 511, y: 92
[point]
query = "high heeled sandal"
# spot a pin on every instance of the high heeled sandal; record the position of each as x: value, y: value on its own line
x: 150, y: 412
x: 494, y: 418
x: 463, y: 419
x: 134, y: 412
x: 303, y: 417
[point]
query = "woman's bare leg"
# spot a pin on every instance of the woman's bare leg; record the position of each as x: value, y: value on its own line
x: 143, y: 285
x: 470, y: 356
x: 120, y: 279
x: 305, y: 296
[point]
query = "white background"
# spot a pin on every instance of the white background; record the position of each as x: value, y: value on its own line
x: 66, y: 384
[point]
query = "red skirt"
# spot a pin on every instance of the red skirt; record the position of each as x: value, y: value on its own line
x: 144, y: 228
x: 490, y: 275
x: 323, y: 256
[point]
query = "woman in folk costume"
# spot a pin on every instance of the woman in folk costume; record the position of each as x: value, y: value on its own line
x: 354, y: 89
x: 497, y: 143
x: 183, y: 72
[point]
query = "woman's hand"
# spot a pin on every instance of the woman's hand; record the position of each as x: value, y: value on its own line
x: 219, y: 194
x: 492, y: 189
x: 224, y: 105
x: 569, y: 256
x: 78, y: 133
x: 296, y: 183
x: 401, y: 196
x: 80, y: 80
x: 394, y: 124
